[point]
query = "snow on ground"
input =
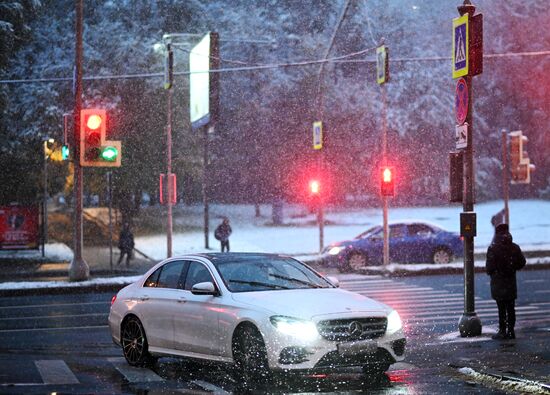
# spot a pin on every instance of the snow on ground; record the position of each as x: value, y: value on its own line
x: 68, y: 284
x: 529, y: 219
x: 299, y: 235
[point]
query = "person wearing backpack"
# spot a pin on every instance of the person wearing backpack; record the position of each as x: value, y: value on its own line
x: 504, y: 258
x: 222, y: 233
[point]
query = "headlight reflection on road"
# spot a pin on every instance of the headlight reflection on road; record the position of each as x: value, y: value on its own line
x: 300, y: 329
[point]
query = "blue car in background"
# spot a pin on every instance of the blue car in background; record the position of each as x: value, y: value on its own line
x: 410, y: 242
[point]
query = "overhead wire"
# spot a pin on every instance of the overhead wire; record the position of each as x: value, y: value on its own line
x: 337, y: 59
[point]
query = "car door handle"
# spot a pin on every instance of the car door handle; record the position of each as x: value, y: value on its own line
x: 182, y: 300
x: 144, y: 297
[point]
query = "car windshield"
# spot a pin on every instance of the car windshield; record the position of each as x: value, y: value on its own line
x: 369, y: 232
x: 260, y: 273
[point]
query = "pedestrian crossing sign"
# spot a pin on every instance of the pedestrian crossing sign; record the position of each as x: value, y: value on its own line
x: 460, y: 46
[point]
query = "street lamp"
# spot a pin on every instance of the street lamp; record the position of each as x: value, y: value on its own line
x: 47, y: 153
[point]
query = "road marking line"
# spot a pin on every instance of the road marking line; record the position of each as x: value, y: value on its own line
x: 55, y: 371
x: 546, y: 291
x: 453, y: 285
x: 210, y: 387
x: 62, y: 328
x: 53, y: 305
x: 478, y: 310
x: 133, y: 374
x: 55, y: 316
x: 538, y: 280
x: 483, y: 315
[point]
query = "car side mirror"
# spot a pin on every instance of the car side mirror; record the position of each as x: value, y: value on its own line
x: 205, y: 288
x: 334, y: 281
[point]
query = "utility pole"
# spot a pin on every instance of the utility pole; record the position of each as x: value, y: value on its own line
x: 78, y: 269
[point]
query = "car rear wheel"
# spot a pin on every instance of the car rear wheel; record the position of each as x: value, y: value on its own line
x: 357, y: 261
x: 441, y: 255
x: 134, y: 343
x: 250, y: 356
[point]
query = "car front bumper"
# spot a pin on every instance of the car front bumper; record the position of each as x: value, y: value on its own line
x: 318, y: 355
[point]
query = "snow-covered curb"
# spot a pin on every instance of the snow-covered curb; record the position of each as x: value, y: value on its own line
x: 506, y: 383
x: 421, y: 267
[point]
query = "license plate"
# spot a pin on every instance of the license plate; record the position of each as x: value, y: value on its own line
x: 358, y: 347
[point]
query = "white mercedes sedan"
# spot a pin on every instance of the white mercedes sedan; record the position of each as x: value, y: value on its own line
x: 261, y: 312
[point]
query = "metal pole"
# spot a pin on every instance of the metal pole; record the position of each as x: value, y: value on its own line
x: 505, y: 175
x: 45, y: 201
x: 469, y: 324
x: 385, y: 162
x: 207, y: 130
x: 169, y: 169
x: 78, y: 269
x: 110, y: 193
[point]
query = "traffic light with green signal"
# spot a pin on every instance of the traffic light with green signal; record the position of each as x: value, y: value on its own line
x: 95, y: 149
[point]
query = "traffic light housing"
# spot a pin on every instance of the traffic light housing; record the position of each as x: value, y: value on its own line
x: 520, y: 165
x: 387, y: 181
x: 95, y: 150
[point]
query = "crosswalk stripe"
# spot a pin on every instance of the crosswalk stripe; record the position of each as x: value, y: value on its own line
x: 53, y: 305
x: 133, y: 374
x: 428, y: 307
x: 55, y: 371
x: 210, y: 387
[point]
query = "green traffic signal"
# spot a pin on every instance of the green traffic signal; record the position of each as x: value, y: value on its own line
x: 65, y: 152
x: 109, y: 154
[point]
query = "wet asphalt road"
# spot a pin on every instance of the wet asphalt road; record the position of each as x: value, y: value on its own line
x: 61, y: 343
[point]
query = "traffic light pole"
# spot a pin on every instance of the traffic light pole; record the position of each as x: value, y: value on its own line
x: 505, y: 176
x: 78, y: 269
x: 469, y: 324
x: 207, y: 131
x: 386, y: 253
x: 169, y: 168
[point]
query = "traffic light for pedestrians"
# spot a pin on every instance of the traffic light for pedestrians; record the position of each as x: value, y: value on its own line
x: 520, y: 165
x: 95, y: 150
x: 387, y: 178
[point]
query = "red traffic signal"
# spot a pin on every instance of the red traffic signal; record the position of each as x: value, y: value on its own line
x: 314, y: 187
x: 387, y: 178
x: 95, y: 150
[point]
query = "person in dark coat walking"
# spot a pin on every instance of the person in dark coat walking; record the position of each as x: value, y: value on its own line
x: 125, y: 244
x: 504, y: 258
x: 222, y: 233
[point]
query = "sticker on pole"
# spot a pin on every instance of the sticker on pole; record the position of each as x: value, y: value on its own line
x: 461, y: 136
x: 461, y: 101
x: 460, y: 46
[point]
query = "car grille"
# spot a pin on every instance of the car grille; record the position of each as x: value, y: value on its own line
x: 353, y: 328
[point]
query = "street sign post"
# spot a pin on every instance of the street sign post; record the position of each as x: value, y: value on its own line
x: 460, y: 46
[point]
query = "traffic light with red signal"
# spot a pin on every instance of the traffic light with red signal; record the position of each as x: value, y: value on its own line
x: 95, y: 150
x: 520, y: 165
x: 387, y: 181
x: 315, y: 187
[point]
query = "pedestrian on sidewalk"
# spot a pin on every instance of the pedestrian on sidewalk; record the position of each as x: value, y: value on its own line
x: 504, y: 258
x: 125, y: 244
x: 222, y: 233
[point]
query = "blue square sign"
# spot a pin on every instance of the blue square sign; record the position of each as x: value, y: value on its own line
x: 460, y: 46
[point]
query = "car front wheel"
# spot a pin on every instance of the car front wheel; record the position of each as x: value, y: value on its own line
x: 250, y: 356
x: 134, y: 343
x: 441, y: 255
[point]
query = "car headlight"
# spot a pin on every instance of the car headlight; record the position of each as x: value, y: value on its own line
x: 335, y: 250
x: 300, y: 329
x: 394, y: 322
